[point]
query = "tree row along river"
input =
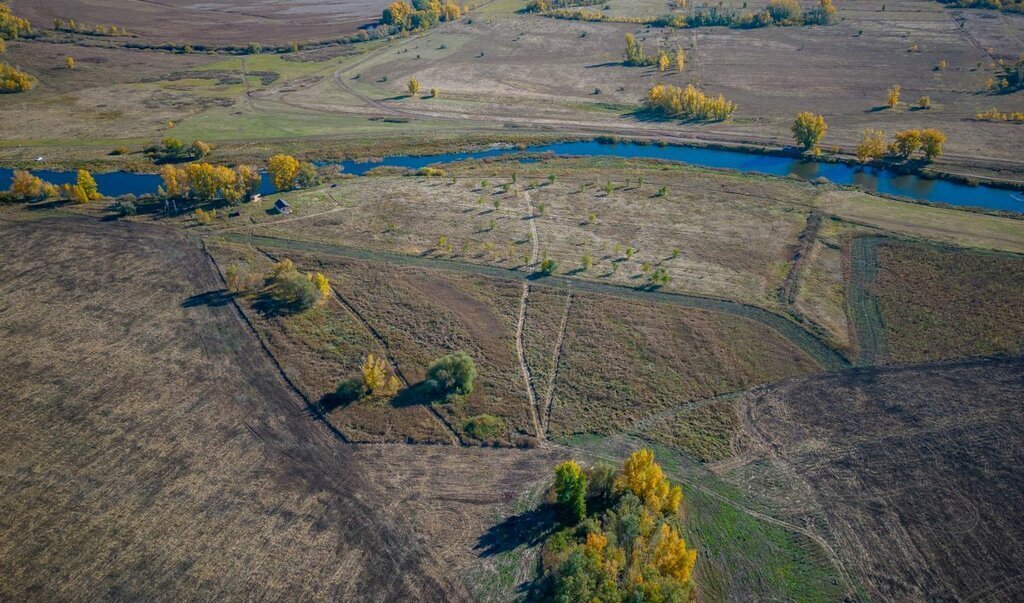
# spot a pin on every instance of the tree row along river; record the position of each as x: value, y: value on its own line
x: 870, y: 179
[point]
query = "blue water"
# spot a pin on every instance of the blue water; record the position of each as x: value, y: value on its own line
x: 870, y: 179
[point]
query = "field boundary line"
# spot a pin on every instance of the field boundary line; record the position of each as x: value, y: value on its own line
x: 311, y: 408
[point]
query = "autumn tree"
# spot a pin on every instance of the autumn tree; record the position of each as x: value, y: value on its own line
x: 74, y: 193
x: 905, y: 143
x: 931, y: 143
x: 571, y: 490
x: 70, y: 62
x: 644, y: 478
x: 413, y: 86
x: 249, y: 179
x: 893, y: 97
x: 871, y: 146
x: 283, y: 169
x: 13, y: 80
x: 680, y: 60
x: 199, y: 149
x: 377, y: 378
x: 663, y: 61
x: 808, y: 130
x: 12, y: 27
x: 88, y: 185
x: 25, y: 186
x: 785, y: 12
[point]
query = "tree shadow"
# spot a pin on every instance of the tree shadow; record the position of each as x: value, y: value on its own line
x: 220, y: 297
x: 529, y: 528
x: 876, y: 109
x: 417, y: 394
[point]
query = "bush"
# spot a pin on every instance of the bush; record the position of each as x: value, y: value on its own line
x: 548, y: 265
x: 452, y: 375
x: 485, y: 427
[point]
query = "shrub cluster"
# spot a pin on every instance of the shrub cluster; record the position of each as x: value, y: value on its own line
x: 688, y: 103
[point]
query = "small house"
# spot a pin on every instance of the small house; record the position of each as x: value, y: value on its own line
x: 282, y: 207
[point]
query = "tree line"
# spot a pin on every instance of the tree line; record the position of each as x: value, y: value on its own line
x: 783, y: 13
x: 688, y: 103
x: 13, y: 27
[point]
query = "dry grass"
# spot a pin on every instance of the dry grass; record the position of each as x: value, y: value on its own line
x: 945, y: 303
x: 624, y: 360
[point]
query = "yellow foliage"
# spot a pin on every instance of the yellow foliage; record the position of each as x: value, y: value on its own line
x: 321, y: 282
x: 871, y: 145
x: 931, y: 143
x: 75, y: 193
x: 905, y: 143
x: 12, y: 27
x: 996, y: 115
x: 26, y: 186
x: 70, y: 62
x: 644, y: 478
x: 12, y: 80
x: 663, y: 60
x: 680, y: 60
x: 671, y: 557
x: 688, y: 103
x: 377, y: 379
x: 283, y: 169
x: 893, y: 98
x: 808, y: 130
x: 88, y: 184
x: 413, y: 86
x: 596, y: 541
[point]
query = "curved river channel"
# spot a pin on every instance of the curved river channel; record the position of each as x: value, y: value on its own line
x: 870, y: 179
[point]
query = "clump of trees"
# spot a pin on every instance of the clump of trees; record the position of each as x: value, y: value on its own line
x: 288, y: 172
x: 1009, y: 76
x: 12, y: 27
x: 688, y: 103
x: 873, y: 147
x: 636, y: 57
x: 26, y: 187
x: 994, y: 114
x: 543, y: 6
x: 452, y: 375
x: 14, y: 80
x: 629, y: 547
x: 402, y: 16
x: 174, y: 150
x: 808, y: 131
x: 1009, y: 6
x: 206, y: 182
x: 292, y: 290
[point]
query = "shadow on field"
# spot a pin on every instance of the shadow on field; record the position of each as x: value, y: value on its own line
x: 220, y: 297
x: 529, y: 528
x: 416, y: 394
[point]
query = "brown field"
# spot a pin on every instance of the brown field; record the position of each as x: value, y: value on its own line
x: 910, y: 471
x: 153, y: 449
x: 939, y: 303
x: 217, y: 22
x: 625, y: 360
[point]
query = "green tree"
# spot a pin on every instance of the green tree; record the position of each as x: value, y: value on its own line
x: 571, y: 490
x: 452, y: 374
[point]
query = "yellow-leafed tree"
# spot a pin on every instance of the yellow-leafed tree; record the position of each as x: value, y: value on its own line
x: 283, y: 169
x: 644, y: 478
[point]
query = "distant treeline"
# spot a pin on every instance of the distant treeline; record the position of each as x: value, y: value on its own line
x: 778, y: 12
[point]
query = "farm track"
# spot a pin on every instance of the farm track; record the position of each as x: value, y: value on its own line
x: 382, y: 343
x: 827, y: 357
x: 536, y: 414
x: 864, y: 311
